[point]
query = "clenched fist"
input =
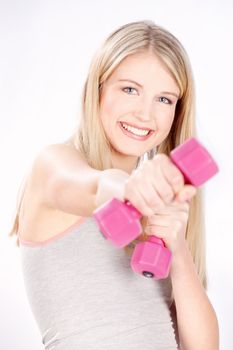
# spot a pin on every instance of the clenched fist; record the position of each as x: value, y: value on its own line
x: 157, y: 183
x: 170, y: 223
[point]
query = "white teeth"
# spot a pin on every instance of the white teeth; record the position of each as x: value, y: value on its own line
x: 135, y: 131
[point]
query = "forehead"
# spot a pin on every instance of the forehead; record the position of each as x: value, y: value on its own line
x: 144, y: 68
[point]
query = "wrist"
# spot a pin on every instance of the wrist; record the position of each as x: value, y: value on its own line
x: 110, y: 185
x: 181, y: 259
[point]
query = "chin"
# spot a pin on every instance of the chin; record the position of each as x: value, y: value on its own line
x: 130, y: 153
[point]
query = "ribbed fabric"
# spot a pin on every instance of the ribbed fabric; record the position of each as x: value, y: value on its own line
x: 85, y: 296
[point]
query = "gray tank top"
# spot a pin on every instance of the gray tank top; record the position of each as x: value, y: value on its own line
x: 85, y: 296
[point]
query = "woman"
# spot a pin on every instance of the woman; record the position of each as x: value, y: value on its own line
x: 138, y: 104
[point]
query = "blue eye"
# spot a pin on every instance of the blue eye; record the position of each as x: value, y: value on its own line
x: 162, y: 99
x: 129, y: 87
x: 167, y: 101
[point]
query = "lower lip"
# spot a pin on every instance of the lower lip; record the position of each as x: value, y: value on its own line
x: 135, y: 137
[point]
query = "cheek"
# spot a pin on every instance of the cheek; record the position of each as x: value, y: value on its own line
x: 106, y: 111
x: 112, y: 104
x: 164, y: 122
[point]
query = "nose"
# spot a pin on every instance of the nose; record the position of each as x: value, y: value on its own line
x: 143, y: 111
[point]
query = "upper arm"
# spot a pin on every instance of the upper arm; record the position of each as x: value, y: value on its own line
x: 63, y: 180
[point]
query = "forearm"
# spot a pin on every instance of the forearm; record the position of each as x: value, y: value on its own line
x: 196, y: 318
x: 110, y: 184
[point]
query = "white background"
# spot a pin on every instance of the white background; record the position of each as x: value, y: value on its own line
x: 46, y: 48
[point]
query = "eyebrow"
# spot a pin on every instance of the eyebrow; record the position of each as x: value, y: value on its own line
x: 162, y: 92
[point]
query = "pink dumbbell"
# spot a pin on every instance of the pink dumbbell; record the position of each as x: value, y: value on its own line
x: 152, y: 258
x: 119, y: 222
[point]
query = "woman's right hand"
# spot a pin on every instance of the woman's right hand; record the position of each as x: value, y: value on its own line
x: 156, y: 183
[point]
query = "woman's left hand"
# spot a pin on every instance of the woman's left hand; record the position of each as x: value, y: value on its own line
x: 170, y: 223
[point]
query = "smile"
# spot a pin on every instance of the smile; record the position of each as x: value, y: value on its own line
x: 136, y: 133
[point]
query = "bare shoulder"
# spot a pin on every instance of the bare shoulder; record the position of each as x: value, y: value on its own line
x: 53, y: 158
x: 58, y: 181
x: 58, y: 166
x: 48, y: 165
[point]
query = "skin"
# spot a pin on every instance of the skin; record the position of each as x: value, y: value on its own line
x: 144, y: 106
x: 157, y: 188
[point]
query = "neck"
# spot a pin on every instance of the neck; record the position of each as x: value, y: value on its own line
x: 124, y: 162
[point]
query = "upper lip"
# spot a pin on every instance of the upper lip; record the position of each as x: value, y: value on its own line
x: 136, y: 126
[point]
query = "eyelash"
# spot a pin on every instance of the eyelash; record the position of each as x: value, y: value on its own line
x: 129, y: 87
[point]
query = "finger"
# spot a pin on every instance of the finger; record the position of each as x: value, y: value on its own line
x: 186, y: 194
x: 166, y: 232
x: 140, y: 204
x: 174, y: 207
x: 158, y: 220
x: 172, y: 174
x: 151, y: 197
x: 163, y: 188
x: 158, y: 231
x: 167, y: 220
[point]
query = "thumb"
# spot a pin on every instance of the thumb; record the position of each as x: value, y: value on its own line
x: 186, y: 194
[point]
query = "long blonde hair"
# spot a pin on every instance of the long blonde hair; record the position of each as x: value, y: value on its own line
x: 89, y: 136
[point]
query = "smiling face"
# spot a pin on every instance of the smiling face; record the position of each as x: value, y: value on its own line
x: 137, y: 106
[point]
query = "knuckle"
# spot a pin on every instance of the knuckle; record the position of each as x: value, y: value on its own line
x: 168, y: 195
x: 165, y: 191
x: 177, y: 179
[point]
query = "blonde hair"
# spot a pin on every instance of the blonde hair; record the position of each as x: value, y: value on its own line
x: 89, y: 136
